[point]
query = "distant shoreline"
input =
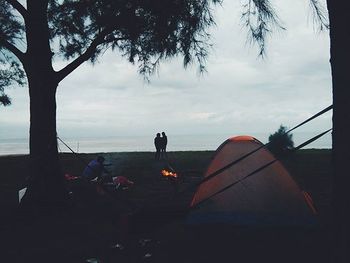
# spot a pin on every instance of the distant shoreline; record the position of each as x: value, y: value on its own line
x: 146, y: 143
x: 96, y: 153
x: 140, y: 152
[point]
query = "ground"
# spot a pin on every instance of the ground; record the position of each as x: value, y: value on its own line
x: 154, y: 213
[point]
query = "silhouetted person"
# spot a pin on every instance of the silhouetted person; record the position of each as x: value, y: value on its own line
x: 158, y: 144
x: 164, y: 142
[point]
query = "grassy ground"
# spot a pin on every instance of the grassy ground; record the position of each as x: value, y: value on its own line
x: 157, y: 232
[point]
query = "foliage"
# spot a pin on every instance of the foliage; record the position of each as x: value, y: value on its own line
x: 146, y: 32
x: 10, y: 73
x: 141, y: 30
x: 260, y: 19
x: 10, y: 70
x: 280, y: 142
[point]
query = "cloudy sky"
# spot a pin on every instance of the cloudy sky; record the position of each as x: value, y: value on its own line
x: 240, y: 93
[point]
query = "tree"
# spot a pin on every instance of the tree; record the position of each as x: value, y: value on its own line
x: 145, y: 32
x: 340, y: 57
x: 280, y: 142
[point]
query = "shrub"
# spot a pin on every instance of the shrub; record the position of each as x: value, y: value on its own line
x: 280, y: 142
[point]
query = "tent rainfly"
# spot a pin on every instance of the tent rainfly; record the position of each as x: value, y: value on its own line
x: 269, y: 197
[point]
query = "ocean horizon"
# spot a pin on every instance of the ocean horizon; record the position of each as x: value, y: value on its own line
x: 206, y: 142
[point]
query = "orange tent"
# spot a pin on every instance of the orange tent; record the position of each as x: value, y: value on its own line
x: 268, y: 197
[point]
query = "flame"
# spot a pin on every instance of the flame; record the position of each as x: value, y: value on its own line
x: 168, y: 173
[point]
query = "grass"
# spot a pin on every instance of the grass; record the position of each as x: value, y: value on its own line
x: 75, y: 237
x: 311, y: 169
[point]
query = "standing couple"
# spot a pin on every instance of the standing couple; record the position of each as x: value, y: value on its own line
x: 160, y: 144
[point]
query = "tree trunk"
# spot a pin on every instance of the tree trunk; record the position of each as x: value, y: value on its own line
x: 340, y: 57
x: 45, y: 184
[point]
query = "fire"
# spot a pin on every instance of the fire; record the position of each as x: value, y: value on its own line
x: 168, y: 173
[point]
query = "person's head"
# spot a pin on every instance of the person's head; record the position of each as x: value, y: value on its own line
x: 163, y: 133
x: 158, y: 134
x: 100, y: 159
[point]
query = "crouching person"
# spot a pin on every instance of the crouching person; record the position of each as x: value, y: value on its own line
x: 87, y: 191
x: 94, y: 169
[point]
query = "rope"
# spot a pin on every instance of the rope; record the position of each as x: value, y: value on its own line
x: 79, y: 157
x: 263, y: 167
x: 66, y: 145
x: 311, y: 118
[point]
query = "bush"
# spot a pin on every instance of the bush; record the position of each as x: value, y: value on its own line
x: 280, y: 142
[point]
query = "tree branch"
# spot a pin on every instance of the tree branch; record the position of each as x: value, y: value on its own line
x: 78, y: 61
x: 20, y: 8
x: 86, y: 55
x: 19, y: 54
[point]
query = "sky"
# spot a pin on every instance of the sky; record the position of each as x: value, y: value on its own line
x: 240, y: 93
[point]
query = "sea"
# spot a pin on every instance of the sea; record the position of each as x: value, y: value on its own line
x: 203, y: 142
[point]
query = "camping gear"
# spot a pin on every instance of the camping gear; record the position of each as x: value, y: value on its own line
x: 122, y: 181
x: 269, y: 197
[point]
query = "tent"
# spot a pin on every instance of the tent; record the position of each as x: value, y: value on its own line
x: 267, y: 198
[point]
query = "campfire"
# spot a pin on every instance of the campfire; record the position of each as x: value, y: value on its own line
x: 169, y: 174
